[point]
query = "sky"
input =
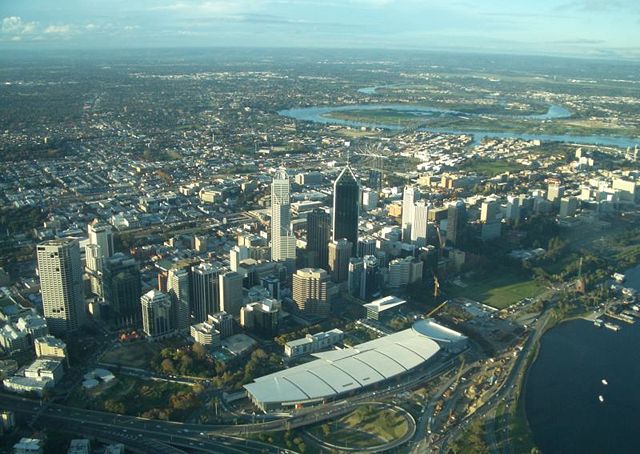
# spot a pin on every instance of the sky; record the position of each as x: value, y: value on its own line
x: 586, y: 28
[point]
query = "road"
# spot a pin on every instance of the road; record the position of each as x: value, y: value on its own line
x: 503, y: 392
x: 123, y: 428
x: 225, y: 437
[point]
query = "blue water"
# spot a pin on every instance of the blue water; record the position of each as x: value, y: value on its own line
x: 563, y: 385
x: 319, y: 115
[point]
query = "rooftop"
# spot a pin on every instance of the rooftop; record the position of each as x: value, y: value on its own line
x: 386, y: 303
x: 339, y: 371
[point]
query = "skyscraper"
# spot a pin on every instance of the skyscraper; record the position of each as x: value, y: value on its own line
x: 419, y: 225
x: 489, y: 211
x: 156, y: 314
x: 409, y: 198
x: 231, y: 293
x: 356, y: 268
x: 456, y: 223
x: 371, y: 279
x: 236, y: 255
x: 311, y: 291
x: 101, y: 234
x: 122, y: 289
x: 366, y: 246
x: 94, y: 263
x: 61, y: 286
x: 318, y: 236
x: 205, y: 298
x: 283, y: 243
x: 339, y: 253
x: 179, y: 292
x: 555, y: 190
x: 346, y: 207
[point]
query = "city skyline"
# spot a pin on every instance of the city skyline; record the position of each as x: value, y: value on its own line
x: 184, y: 245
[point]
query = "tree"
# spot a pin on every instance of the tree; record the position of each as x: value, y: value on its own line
x: 114, y: 406
x: 167, y: 366
x: 186, y: 363
x: 199, y: 351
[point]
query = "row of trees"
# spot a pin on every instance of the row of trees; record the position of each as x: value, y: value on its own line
x: 195, y: 361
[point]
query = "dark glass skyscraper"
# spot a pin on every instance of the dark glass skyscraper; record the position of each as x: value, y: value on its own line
x: 318, y: 236
x: 122, y: 289
x: 346, y: 207
x: 456, y: 222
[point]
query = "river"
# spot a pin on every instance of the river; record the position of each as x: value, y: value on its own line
x: 563, y: 385
x: 321, y: 115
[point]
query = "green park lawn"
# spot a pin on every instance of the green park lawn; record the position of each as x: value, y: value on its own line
x: 366, y: 426
x: 498, y: 291
x: 135, y: 354
x: 491, y: 168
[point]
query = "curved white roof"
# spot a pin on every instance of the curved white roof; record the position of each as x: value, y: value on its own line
x: 436, y: 331
x: 340, y: 371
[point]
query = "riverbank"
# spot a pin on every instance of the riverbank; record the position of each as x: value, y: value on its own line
x: 549, y: 127
x: 560, y: 391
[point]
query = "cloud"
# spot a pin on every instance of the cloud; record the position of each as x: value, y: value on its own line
x: 211, y: 7
x: 601, y: 6
x: 58, y: 29
x: 15, y: 25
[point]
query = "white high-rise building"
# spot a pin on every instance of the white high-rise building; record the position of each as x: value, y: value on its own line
x: 236, y: 255
x: 513, y: 209
x: 205, y: 299
x: 231, y: 293
x: 178, y: 286
x: 101, y: 234
x: 409, y: 198
x: 60, y: 270
x: 283, y: 243
x: 100, y: 247
x: 94, y: 262
x: 311, y: 291
x: 157, y: 314
x: 420, y: 222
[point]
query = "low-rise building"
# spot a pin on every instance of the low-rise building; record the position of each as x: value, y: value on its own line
x: 385, y: 305
x: 79, y: 446
x: 45, y: 370
x: 206, y: 334
x: 29, y: 446
x: 49, y: 346
x: 40, y: 375
x: 12, y: 339
x: 223, y: 322
x: 313, y: 343
x: 261, y: 317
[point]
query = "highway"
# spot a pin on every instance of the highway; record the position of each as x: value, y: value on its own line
x: 502, y: 393
x: 226, y: 438
x: 129, y: 430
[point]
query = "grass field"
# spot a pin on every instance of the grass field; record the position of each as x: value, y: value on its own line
x: 366, y: 426
x: 135, y: 354
x: 491, y: 168
x: 138, y: 354
x: 500, y: 291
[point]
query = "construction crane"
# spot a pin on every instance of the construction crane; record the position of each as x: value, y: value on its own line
x: 436, y: 294
x: 442, y: 241
x: 580, y: 284
x: 440, y: 306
